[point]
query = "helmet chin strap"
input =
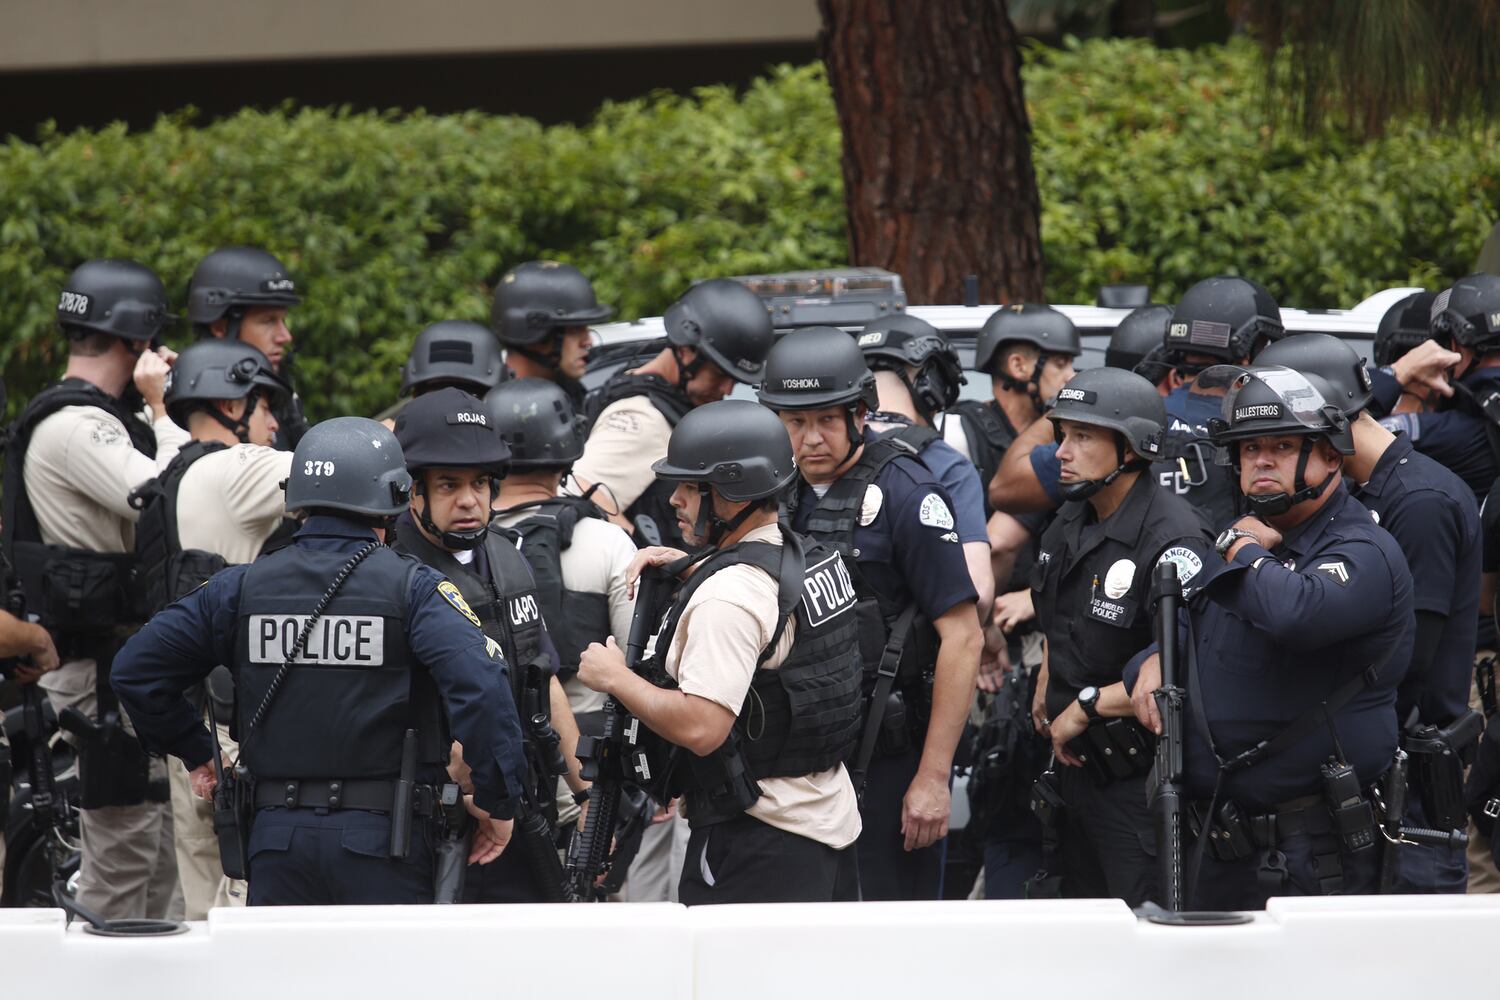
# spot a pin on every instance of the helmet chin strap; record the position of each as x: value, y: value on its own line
x: 1272, y: 504
x: 1032, y: 386
x: 709, y: 526
x: 551, y: 359
x: 232, y: 320
x: 1085, y: 488
x: 686, y: 371
x: 454, y: 541
x: 239, y: 428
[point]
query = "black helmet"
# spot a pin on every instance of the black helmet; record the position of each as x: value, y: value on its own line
x: 1404, y: 325
x: 894, y: 343
x: 815, y: 367
x: 449, y: 429
x: 1120, y: 401
x: 1038, y: 325
x: 1274, y: 401
x: 727, y: 322
x: 734, y: 447
x: 1155, y: 366
x: 1468, y: 314
x: 1137, y: 335
x: 210, y: 370
x: 454, y: 351
x: 540, y: 296
x: 535, y: 419
x: 1223, y: 317
x: 237, y: 277
x: 117, y: 297
x: 352, y: 464
x: 1329, y: 358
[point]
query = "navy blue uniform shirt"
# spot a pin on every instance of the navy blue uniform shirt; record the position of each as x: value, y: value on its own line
x: 1334, y: 599
x: 957, y: 476
x: 1430, y: 513
x: 909, y: 549
x: 181, y: 644
x: 1452, y: 437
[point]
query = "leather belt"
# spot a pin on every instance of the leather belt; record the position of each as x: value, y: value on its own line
x: 376, y: 796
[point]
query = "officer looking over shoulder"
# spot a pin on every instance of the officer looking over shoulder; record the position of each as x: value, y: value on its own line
x: 1092, y: 589
x: 917, y: 375
x: 350, y: 662
x: 542, y: 313
x: 1294, y: 647
x: 216, y: 504
x: 717, y: 334
x: 1432, y: 517
x: 873, y: 501
x: 243, y: 293
x: 457, y: 460
x: 757, y: 666
x: 75, y: 454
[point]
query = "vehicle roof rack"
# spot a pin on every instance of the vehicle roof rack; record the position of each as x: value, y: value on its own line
x: 839, y: 296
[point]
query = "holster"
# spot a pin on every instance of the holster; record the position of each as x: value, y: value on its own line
x: 1439, y: 757
x: 113, y: 769
x: 451, y: 848
x: 233, y: 806
x: 1114, y: 749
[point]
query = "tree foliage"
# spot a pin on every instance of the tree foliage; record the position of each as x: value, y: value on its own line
x: 1154, y: 166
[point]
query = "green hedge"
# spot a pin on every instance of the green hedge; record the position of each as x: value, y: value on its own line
x: 1154, y: 166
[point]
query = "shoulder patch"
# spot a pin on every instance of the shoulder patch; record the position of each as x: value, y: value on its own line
x: 1335, y: 570
x: 935, y: 513
x: 105, y: 433
x: 1187, y: 561
x: 452, y: 596
x: 493, y: 648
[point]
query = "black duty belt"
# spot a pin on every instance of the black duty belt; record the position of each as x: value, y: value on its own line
x: 376, y: 796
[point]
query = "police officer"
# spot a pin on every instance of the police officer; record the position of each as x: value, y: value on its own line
x: 351, y: 663
x: 75, y: 454
x: 1092, y: 589
x: 717, y: 334
x: 917, y: 375
x: 216, y: 504
x: 1404, y: 326
x: 542, y: 313
x: 873, y: 501
x: 243, y: 293
x: 1138, y: 344
x: 453, y: 353
x: 26, y: 652
x: 457, y: 460
x: 1465, y: 434
x: 760, y: 670
x: 1295, y: 645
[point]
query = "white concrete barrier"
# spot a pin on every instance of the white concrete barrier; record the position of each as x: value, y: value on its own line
x: 1338, y: 947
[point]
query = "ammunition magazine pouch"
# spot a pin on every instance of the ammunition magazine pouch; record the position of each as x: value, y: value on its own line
x: 1236, y: 833
x: 1114, y: 749
x: 75, y: 590
x: 1439, y: 757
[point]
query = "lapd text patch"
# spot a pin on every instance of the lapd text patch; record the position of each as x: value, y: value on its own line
x: 827, y: 591
x: 352, y: 640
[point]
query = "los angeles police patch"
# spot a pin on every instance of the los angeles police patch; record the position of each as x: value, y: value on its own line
x: 935, y: 513
x: 1185, y: 559
x: 452, y: 596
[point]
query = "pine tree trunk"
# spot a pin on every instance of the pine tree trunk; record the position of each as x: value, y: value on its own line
x: 937, y: 157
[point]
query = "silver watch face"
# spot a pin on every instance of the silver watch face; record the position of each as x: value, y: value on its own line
x: 1089, y: 693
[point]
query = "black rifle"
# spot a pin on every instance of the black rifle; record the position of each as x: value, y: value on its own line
x: 1166, y: 795
x: 614, y: 759
x: 535, y: 831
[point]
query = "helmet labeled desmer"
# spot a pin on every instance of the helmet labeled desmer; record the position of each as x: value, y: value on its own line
x: 350, y: 464
x: 1223, y: 317
x: 216, y: 370
x: 1277, y: 402
x: 453, y: 352
x: 119, y: 297
x: 1119, y: 401
x: 896, y: 343
x: 535, y: 299
x: 1329, y: 358
x: 535, y: 419
x: 726, y: 322
x: 238, y: 278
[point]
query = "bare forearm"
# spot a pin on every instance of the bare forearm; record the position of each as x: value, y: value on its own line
x: 567, y: 732
x: 952, y: 690
x: 683, y: 719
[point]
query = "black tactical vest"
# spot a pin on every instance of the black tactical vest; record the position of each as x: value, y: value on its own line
x: 347, y: 702
x: 72, y: 590
x: 579, y: 618
x: 505, y: 603
x: 165, y: 571
x: 800, y: 718
x: 832, y: 524
x: 673, y: 404
x: 1189, y: 469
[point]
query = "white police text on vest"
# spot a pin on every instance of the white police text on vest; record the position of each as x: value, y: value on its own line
x: 828, y: 590
x: 342, y: 640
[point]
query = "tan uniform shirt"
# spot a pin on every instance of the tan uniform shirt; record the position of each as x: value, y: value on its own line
x: 80, y: 468
x: 629, y: 435
x: 728, y: 621
x: 230, y: 501
x: 594, y: 564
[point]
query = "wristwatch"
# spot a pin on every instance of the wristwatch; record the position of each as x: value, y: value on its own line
x: 1088, y: 700
x: 1228, y: 537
